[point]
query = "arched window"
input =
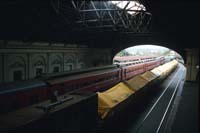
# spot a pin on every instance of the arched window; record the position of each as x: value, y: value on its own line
x: 80, y: 64
x: 16, y: 68
x: 69, y: 63
x: 39, y: 65
x: 56, y: 63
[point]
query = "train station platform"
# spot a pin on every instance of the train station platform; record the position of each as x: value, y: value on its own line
x: 187, y: 116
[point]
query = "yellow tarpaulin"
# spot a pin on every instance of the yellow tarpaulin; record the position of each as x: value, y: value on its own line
x: 165, y: 69
x: 156, y: 72
x: 110, y: 98
x: 137, y: 82
x: 149, y: 76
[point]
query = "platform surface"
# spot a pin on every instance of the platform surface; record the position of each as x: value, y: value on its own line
x: 187, y: 116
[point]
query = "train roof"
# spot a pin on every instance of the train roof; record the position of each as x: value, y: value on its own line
x: 75, y: 72
x: 130, y: 58
x: 20, y: 86
x: 63, y: 78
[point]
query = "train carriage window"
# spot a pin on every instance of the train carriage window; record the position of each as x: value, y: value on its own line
x: 17, y: 75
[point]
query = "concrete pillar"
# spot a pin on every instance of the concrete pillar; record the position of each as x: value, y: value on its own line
x: 1, y: 68
x: 192, y: 61
x: 30, y: 69
x: 28, y: 66
x: 48, y: 65
x: 63, y: 62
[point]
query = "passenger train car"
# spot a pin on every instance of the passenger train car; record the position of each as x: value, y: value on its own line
x: 21, y: 94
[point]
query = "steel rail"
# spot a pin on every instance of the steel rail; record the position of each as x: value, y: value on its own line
x: 172, y: 97
x: 154, y: 105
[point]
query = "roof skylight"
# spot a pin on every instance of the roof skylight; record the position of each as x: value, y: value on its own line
x: 131, y: 6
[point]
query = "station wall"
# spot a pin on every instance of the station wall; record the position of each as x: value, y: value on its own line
x: 22, y: 61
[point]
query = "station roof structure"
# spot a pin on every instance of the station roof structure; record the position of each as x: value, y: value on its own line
x: 97, y: 22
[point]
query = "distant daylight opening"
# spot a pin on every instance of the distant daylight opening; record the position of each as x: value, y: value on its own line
x: 143, y: 53
x: 132, y: 6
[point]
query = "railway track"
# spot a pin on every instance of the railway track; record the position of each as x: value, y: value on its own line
x: 156, y: 118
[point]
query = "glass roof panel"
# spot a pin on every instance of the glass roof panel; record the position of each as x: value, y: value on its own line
x: 129, y: 5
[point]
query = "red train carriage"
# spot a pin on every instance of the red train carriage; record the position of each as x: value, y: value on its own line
x: 91, y: 81
x: 20, y: 94
x: 133, y: 70
x: 162, y: 60
x: 150, y: 65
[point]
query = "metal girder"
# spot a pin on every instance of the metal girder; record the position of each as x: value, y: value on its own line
x: 104, y: 14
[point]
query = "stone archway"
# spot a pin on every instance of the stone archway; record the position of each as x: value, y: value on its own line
x: 56, y: 63
x: 39, y: 65
x: 16, y: 68
x: 69, y: 62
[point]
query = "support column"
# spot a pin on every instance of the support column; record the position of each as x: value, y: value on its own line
x: 3, y: 67
x: 192, y: 61
x: 63, y: 62
x: 47, y: 65
x: 28, y: 66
